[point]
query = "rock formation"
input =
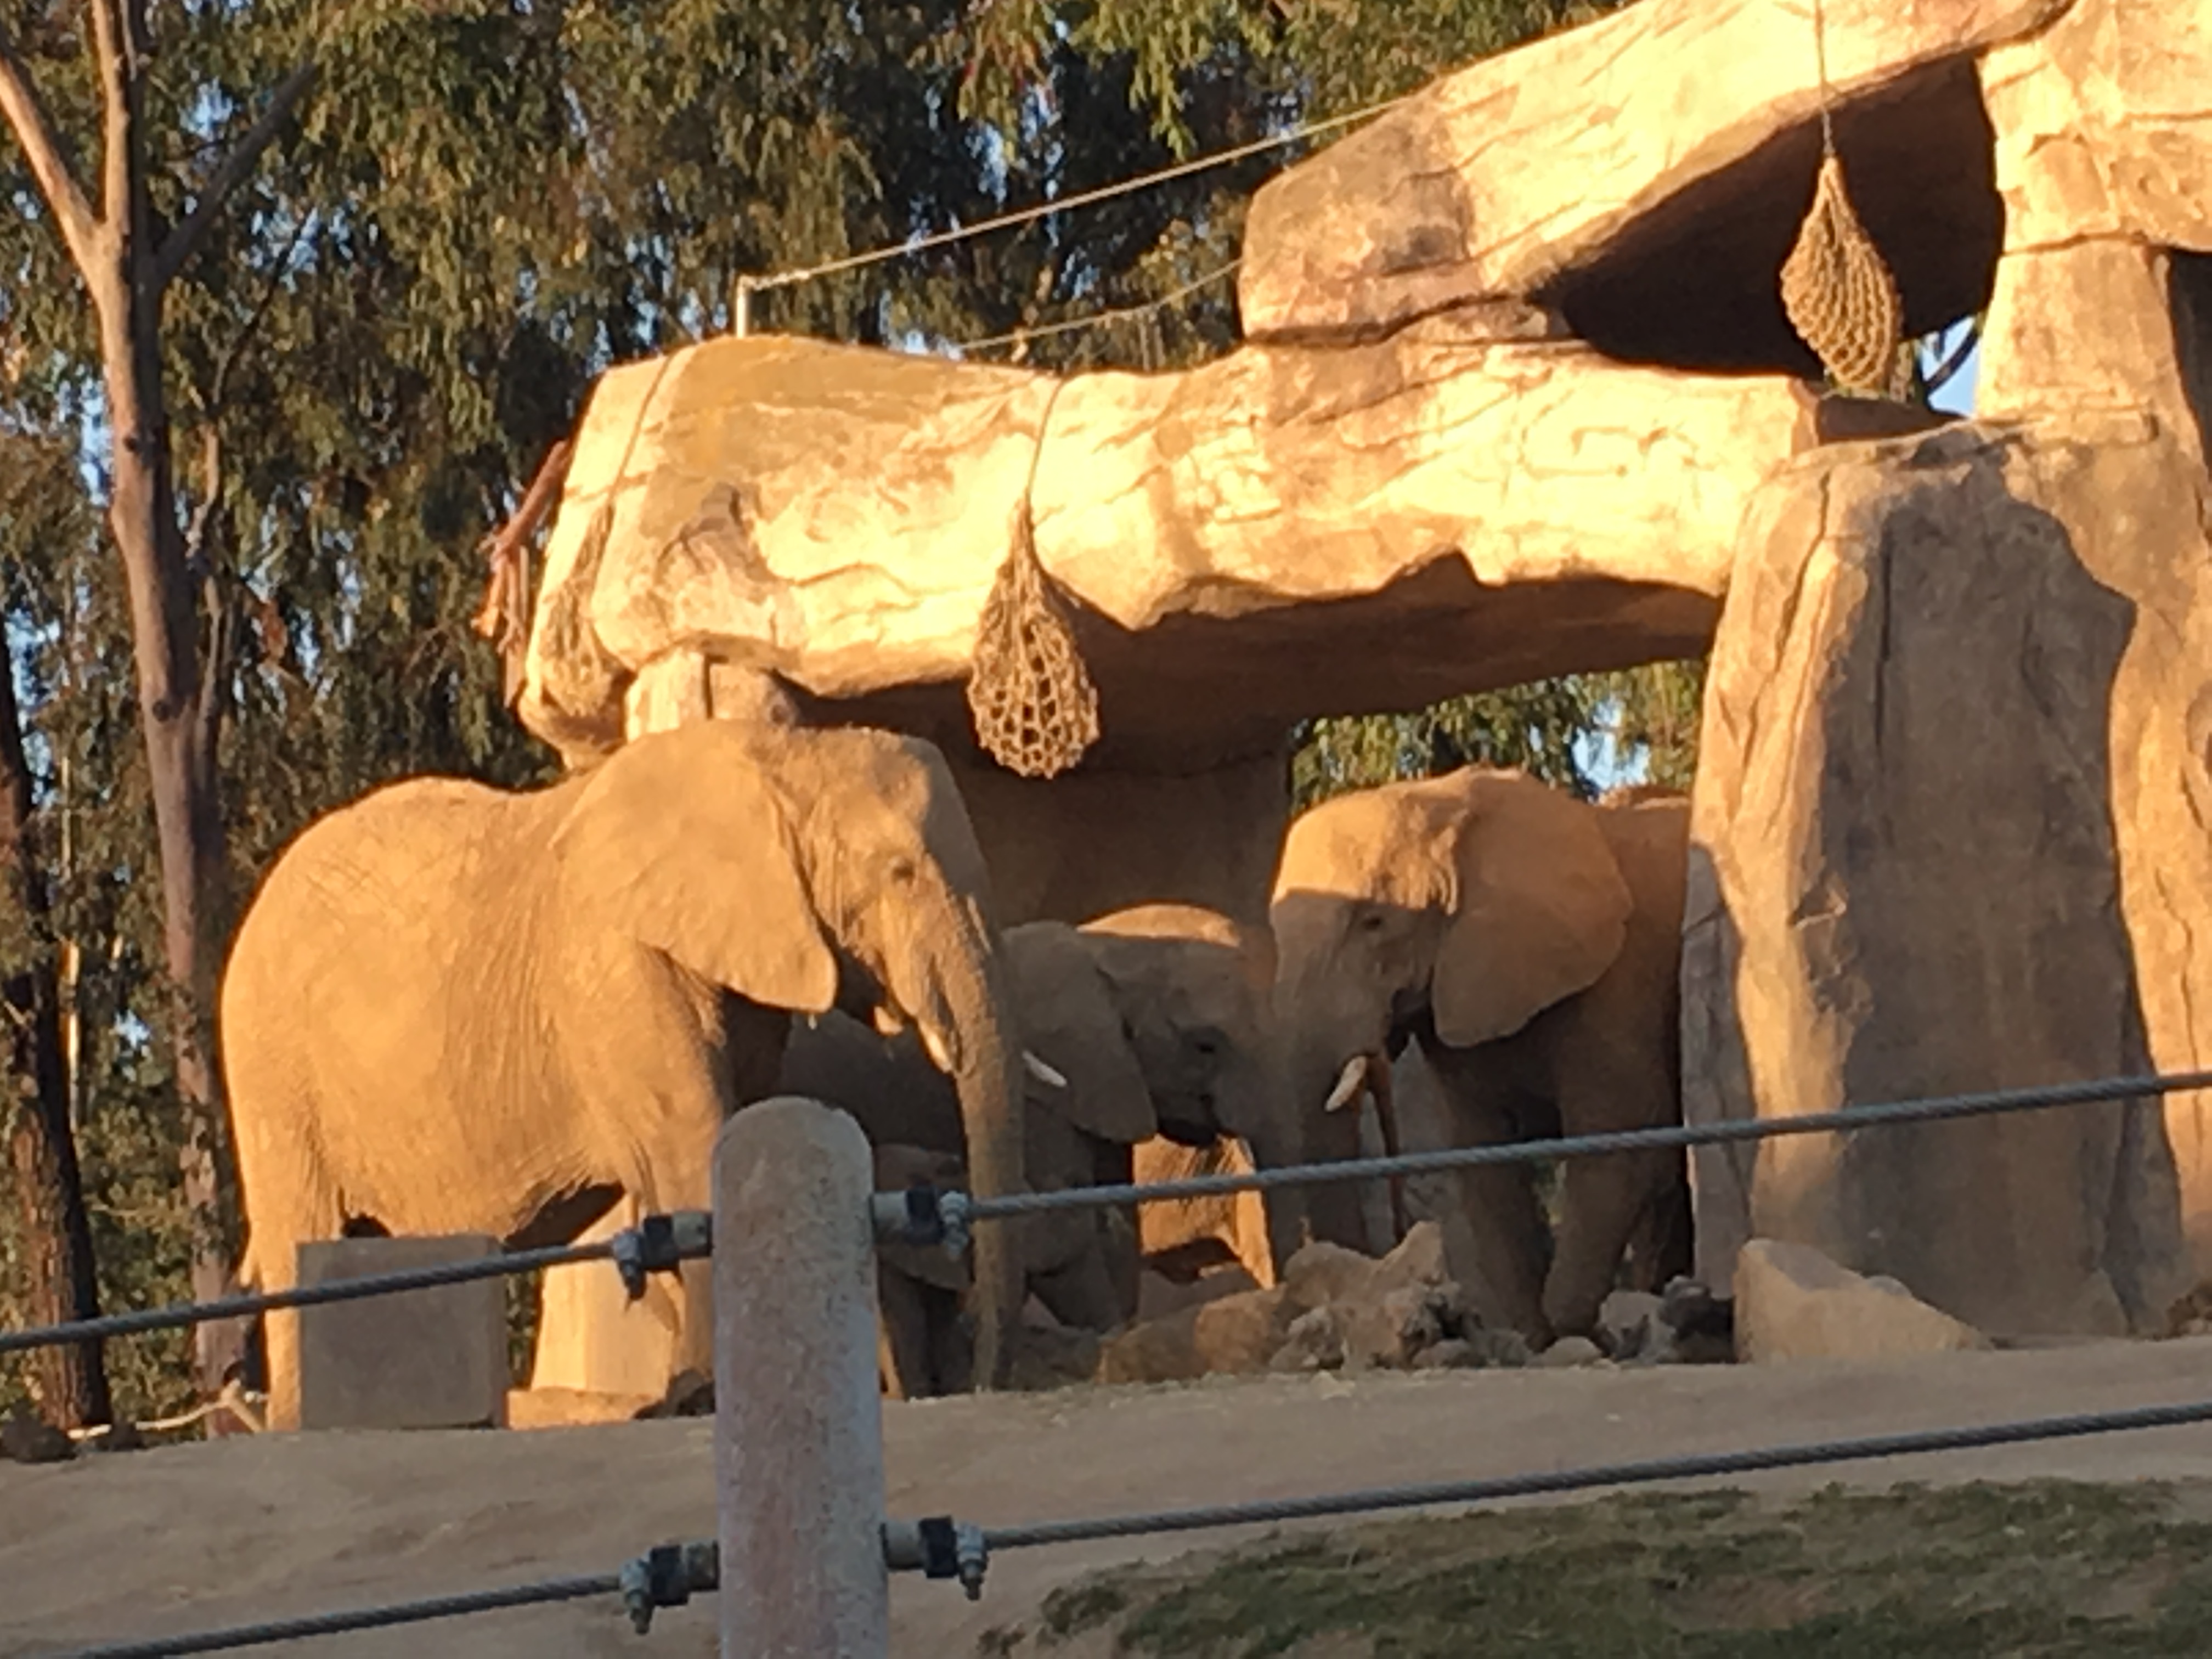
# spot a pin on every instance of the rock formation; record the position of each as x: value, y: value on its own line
x: 1520, y: 397
x: 1474, y: 441
x: 1949, y: 824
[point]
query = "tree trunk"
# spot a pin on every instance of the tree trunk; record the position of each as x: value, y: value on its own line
x: 71, y: 1384
x: 173, y: 706
x: 126, y: 261
x: 177, y: 707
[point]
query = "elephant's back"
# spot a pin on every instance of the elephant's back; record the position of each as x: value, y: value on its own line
x: 362, y: 904
x: 1649, y: 835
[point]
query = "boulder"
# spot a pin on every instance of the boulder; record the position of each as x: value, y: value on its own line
x: 1793, y: 1303
x: 1643, y: 177
x: 27, y: 1438
x: 1631, y: 1326
x: 1947, y: 835
x: 1444, y: 510
x: 1568, y: 1352
x: 1158, y: 1296
x: 1236, y: 1335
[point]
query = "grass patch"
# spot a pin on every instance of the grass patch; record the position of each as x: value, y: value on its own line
x: 2046, y: 1569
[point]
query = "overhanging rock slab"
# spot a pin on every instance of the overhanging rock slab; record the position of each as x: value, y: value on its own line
x: 1286, y: 531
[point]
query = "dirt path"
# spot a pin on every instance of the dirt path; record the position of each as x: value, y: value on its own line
x: 189, y: 1537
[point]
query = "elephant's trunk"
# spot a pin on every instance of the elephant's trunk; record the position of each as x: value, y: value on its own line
x: 1325, y: 1038
x: 966, y: 1016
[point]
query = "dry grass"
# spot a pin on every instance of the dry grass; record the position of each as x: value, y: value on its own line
x: 2045, y: 1570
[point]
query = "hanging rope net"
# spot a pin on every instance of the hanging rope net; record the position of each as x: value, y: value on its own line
x: 1839, y: 295
x: 1036, y: 709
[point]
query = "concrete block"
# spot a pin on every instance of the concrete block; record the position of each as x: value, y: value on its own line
x: 420, y: 1359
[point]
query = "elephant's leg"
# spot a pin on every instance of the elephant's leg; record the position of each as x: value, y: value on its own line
x: 1662, y: 1247
x: 1507, y: 1224
x: 1504, y: 1216
x: 1601, y: 1201
x: 289, y: 1199
x: 903, y: 1346
x: 951, y: 1341
x: 1082, y: 1294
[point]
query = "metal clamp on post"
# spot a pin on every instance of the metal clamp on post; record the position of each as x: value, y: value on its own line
x: 668, y: 1576
x: 938, y: 1548
x: 660, y: 1244
x: 922, y: 1215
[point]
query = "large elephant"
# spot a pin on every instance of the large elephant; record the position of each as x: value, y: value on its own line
x: 1532, y: 943
x: 452, y: 1008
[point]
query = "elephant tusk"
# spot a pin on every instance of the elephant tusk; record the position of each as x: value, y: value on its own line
x: 1043, y: 1072
x: 1347, y: 1084
x: 939, y: 1055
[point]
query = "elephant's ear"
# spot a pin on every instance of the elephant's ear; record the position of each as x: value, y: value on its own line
x: 679, y: 840
x: 1070, y: 1021
x: 1541, y: 911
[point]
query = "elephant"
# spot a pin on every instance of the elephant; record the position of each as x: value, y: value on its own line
x: 1149, y: 1030
x: 453, y: 1008
x: 1531, y: 943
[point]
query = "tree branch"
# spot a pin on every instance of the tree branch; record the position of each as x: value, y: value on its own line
x: 26, y: 112
x: 111, y: 57
x: 178, y: 246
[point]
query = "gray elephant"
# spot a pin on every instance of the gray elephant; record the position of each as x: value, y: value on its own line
x: 1532, y: 943
x: 452, y: 1008
x: 1148, y: 1028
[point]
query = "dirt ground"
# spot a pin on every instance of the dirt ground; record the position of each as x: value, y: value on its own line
x: 184, y: 1538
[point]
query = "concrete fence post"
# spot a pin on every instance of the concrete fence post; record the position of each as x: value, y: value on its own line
x: 799, y: 1445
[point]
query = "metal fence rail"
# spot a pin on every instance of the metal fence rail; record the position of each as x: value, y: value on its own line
x: 646, y: 1246
x: 657, y: 1244
x: 384, y: 1617
x: 943, y: 1547
x: 1936, y: 1108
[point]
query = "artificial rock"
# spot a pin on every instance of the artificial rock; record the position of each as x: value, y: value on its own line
x: 1947, y: 835
x: 1792, y: 1303
x: 1643, y: 177
x: 1441, y: 511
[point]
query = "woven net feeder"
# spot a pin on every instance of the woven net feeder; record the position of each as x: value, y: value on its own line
x: 1840, y: 297
x: 1036, y: 708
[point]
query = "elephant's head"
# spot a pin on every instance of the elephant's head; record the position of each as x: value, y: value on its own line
x: 1193, y: 986
x: 807, y: 868
x: 1472, y: 902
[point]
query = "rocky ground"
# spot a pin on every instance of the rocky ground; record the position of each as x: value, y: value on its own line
x: 181, y: 1538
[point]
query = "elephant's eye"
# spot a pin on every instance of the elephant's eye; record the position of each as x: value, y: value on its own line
x: 1370, y: 921
x: 903, y: 871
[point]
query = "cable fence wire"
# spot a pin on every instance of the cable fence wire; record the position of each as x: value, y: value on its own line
x: 1933, y: 1109
x: 307, y: 1296
x: 1687, y: 1466
x: 1937, y: 1108
x: 541, y: 1593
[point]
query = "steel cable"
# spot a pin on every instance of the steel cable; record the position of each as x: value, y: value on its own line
x: 1687, y: 1466
x: 377, y: 1618
x: 1936, y: 1108
x: 306, y: 1296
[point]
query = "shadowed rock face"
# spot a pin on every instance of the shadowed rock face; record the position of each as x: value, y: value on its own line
x: 1937, y: 848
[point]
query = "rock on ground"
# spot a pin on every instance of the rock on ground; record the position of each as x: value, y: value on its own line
x: 1792, y: 1303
